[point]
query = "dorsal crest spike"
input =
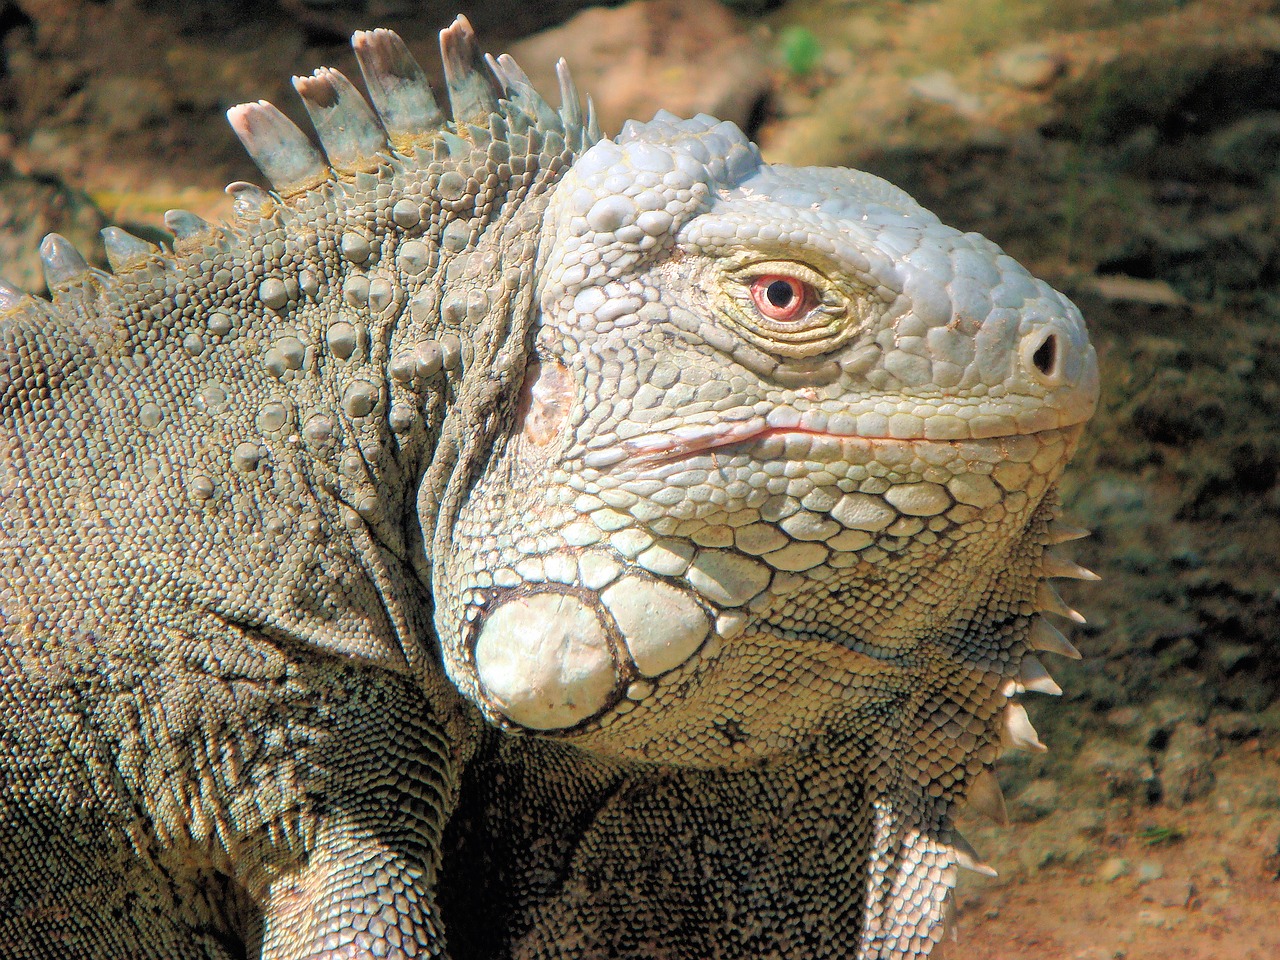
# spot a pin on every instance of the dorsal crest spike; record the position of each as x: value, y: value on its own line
x: 61, y: 260
x: 985, y: 796
x: 282, y: 152
x: 346, y: 125
x: 249, y: 201
x: 594, y: 134
x: 472, y: 96
x: 1018, y: 732
x: 1044, y: 636
x: 184, y: 224
x: 522, y: 94
x: 570, y: 104
x: 508, y: 72
x: 10, y: 296
x: 967, y: 858
x: 1048, y: 601
x: 124, y: 250
x: 397, y: 87
x: 491, y: 100
x: 1055, y: 565
x: 1033, y: 676
x: 1059, y: 531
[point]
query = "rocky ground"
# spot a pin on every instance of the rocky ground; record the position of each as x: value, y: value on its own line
x: 1128, y: 151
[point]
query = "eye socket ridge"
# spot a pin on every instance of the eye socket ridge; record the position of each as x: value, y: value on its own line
x: 782, y: 298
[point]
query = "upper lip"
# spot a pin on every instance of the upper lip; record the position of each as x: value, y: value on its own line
x: 654, y: 449
x: 678, y: 443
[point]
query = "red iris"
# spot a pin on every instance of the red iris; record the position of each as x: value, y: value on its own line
x: 780, y: 298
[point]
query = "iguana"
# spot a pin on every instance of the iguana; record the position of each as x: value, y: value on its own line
x: 504, y: 541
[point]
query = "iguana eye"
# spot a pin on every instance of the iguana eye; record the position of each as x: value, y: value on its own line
x: 790, y: 308
x: 782, y: 299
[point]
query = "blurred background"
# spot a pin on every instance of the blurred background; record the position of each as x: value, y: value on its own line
x: 1126, y: 150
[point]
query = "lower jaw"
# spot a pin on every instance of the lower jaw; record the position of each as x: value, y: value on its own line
x: 635, y: 731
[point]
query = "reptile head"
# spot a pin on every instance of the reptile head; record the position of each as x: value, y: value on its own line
x: 784, y: 457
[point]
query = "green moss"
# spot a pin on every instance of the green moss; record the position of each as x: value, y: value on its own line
x: 1155, y: 836
x: 799, y: 49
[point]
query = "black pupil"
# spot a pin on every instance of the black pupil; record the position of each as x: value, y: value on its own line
x: 780, y: 293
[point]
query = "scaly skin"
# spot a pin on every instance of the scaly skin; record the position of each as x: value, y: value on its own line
x: 473, y: 545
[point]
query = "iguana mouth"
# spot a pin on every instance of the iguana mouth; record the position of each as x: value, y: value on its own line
x: 660, y: 449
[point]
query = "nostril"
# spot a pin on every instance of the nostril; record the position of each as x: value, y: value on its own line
x: 1045, y: 358
x: 1042, y: 356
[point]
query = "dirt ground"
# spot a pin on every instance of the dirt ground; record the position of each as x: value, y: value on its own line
x: 1118, y: 880
x: 1127, y: 151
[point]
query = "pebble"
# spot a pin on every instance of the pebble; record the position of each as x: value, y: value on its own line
x: 1030, y: 66
x: 1149, y: 870
x: 939, y: 86
x: 1113, y: 869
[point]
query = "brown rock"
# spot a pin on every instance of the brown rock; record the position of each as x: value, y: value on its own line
x: 686, y: 56
x: 1186, y: 768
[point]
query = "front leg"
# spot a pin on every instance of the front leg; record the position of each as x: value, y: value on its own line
x: 362, y: 893
x: 378, y: 785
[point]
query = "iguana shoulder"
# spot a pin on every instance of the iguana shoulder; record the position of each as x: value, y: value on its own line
x: 219, y: 656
